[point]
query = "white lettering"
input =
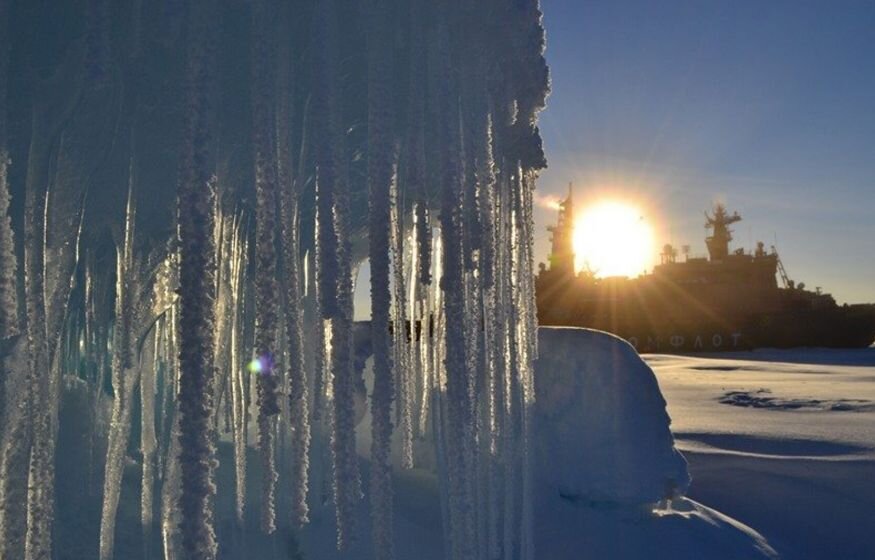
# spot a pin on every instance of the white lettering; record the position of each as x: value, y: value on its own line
x: 735, y: 337
x: 716, y: 341
x: 676, y: 340
x: 633, y: 340
x: 698, y: 343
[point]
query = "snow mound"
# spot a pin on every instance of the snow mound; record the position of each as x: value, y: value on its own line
x: 601, y: 429
x: 603, y: 458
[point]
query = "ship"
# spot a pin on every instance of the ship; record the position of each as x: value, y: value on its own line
x: 729, y: 300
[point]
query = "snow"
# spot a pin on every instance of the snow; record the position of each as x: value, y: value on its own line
x: 602, y: 433
x: 796, y: 481
x: 604, y: 457
x: 796, y: 461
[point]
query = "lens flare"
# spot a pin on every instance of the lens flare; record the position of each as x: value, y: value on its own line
x: 254, y: 366
x: 264, y: 365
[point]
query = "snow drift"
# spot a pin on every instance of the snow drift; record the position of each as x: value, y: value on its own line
x: 601, y: 430
x: 608, y: 480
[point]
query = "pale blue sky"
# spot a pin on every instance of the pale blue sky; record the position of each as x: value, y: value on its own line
x: 767, y: 106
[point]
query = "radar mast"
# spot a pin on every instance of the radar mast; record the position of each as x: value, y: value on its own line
x: 718, y: 241
x: 562, y: 241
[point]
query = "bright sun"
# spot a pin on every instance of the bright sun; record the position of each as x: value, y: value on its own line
x: 613, y: 239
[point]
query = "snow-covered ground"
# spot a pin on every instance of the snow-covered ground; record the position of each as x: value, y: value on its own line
x: 783, y: 440
x: 608, y: 482
x: 780, y: 447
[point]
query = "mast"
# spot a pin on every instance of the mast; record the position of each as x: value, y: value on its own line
x: 562, y: 240
x: 718, y: 241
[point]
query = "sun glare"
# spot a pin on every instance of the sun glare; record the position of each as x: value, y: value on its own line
x: 613, y: 239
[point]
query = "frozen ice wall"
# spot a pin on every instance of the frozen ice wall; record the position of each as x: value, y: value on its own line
x: 186, y: 188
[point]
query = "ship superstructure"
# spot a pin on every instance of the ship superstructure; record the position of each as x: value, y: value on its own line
x: 562, y: 238
x: 731, y: 299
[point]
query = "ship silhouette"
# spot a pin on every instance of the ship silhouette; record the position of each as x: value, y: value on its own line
x: 730, y: 300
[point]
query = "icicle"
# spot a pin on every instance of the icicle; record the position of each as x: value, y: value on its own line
x: 335, y: 278
x: 530, y: 337
x: 425, y: 318
x: 125, y: 377
x: 380, y: 215
x: 236, y: 371
x: 197, y: 284
x: 503, y: 370
x: 437, y: 392
x: 299, y: 406
x: 266, y: 286
x: 166, y: 286
x: 170, y: 469
x: 326, y: 110
x: 403, y: 331
x: 221, y: 330
x: 136, y: 313
x: 124, y: 385
x: 15, y: 442
x: 8, y: 260
x: 148, y: 439
x: 14, y: 457
x: 40, y: 483
x: 321, y: 369
x: 53, y: 225
x: 171, y: 491
x: 415, y: 178
x: 406, y: 342
x: 459, y: 414
x: 321, y: 355
x: 299, y: 392
x: 347, y: 484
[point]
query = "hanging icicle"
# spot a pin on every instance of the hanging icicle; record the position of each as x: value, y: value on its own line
x: 380, y: 175
x: 430, y: 177
x: 8, y: 259
x: 170, y: 469
x: 266, y: 286
x: 403, y: 328
x: 458, y: 388
x: 299, y: 394
x: 14, y: 443
x: 236, y: 371
x: 148, y: 435
x: 197, y: 284
x: 335, y: 271
x: 125, y: 376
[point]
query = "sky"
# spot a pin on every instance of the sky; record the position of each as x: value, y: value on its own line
x: 768, y: 107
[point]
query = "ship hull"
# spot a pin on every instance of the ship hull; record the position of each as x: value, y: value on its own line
x: 654, y: 323
x: 790, y: 330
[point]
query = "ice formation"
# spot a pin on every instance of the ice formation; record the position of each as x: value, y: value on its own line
x: 268, y: 149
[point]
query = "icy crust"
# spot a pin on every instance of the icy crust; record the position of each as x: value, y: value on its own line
x: 601, y: 429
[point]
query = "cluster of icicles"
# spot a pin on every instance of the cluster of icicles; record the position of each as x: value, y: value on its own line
x: 453, y: 327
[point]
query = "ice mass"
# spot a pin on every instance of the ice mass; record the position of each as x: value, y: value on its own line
x: 187, y: 188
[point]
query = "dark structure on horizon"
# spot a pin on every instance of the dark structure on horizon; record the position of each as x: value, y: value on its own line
x: 730, y: 300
